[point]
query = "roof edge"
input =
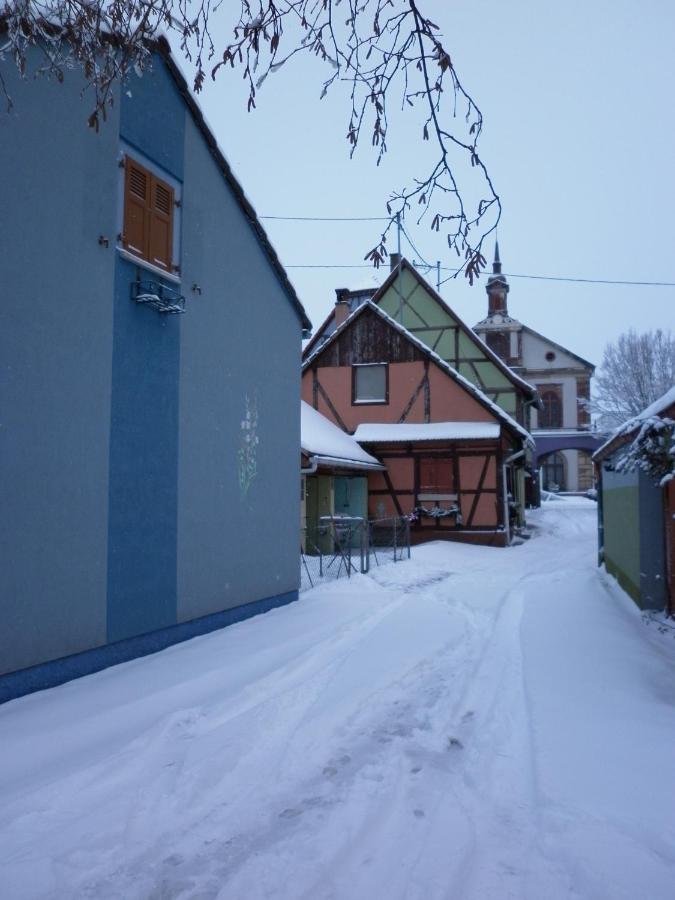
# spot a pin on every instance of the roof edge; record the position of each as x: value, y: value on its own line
x: 162, y: 46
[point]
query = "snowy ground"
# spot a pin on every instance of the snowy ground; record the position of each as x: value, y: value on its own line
x: 473, y: 724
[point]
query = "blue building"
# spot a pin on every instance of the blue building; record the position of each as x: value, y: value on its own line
x: 149, y: 464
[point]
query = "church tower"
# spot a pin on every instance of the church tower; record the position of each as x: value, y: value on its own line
x: 497, y: 287
x: 500, y: 332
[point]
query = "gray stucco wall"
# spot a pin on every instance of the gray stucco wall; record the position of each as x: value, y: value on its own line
x: 240, y: 340
x: 653, y: 587
x: 57, y: 197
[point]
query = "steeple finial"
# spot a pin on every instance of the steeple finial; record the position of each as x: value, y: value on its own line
x: 497, y: 264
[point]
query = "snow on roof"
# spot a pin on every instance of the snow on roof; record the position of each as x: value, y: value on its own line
x: 431, y: 431
x: 321, y: 438
x: 464, y: 382
x: 654, y: 409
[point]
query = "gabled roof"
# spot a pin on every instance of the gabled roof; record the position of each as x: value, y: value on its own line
x: 516, y: 380
x: 482, y: 346
x: 323, y: 441
x: 560, y: 347
x: 659, y: 408
x: 471, y: 388
x: 161, y: 45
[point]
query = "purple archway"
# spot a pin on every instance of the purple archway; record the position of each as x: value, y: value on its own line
x: 547, y: 442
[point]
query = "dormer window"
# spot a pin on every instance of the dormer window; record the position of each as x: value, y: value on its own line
x: 370, y: 383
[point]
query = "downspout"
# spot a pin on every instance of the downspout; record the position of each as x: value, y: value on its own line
x: 313, y: 466
x: 507, y: 461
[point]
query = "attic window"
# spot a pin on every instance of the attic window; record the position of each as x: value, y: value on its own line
x: 550, y: 356
x: 370, y: 383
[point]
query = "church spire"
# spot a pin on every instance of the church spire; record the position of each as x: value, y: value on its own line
x: 497, y: 287
x: 497, y: 264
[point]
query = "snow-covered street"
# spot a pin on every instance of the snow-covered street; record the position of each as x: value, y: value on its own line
x: 473, y: 724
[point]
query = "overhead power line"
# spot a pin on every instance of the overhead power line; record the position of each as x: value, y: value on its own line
x: 326, y: 218
x: 594, y: 280
x: 506, y: 274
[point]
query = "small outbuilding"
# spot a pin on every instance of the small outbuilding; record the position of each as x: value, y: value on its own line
x: 334, y: 471
x: 636, y: 505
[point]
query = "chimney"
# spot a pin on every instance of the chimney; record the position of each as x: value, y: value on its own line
x: 394, y: 260
x: 342, y: 308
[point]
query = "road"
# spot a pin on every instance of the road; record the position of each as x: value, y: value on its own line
x: 476, y: 723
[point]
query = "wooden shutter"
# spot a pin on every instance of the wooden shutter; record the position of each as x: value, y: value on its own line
x: 161, y: 224
x: 436, y: 475
x: 137, y: 187
x: 148, y: 215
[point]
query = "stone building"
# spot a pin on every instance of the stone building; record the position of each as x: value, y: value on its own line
x: 561, y: 425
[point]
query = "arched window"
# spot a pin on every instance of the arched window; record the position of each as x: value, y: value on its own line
x: 551, y: 415
x: 553, y: 473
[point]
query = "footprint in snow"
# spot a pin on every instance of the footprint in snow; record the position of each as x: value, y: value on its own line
x: 418, y: 813
x: 455, y: 744
x: 290, y: 813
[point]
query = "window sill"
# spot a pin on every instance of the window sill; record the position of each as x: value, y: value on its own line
x: 144, y: 264
x: 369, y: 402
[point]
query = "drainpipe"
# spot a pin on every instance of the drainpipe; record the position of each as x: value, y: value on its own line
x: 601, y: 516
x: 507, y: 461
x: 313, y: 466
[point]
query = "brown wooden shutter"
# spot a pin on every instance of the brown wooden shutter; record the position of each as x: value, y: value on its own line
x: 137, y: 188
x: 161, y: 224
x: 436, y: 475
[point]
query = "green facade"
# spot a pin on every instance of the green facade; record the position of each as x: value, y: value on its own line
x: 622, y: 536
x: 409, y: 302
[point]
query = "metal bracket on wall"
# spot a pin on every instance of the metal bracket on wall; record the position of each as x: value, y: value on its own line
x: 164, y: 299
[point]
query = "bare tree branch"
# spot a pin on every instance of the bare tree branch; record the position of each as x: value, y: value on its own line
x: 384, y: 50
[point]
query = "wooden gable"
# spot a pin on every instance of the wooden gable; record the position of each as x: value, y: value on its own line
x: 369, y: 339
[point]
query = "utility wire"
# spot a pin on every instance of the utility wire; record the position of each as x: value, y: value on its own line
x: 446, y: 268
x: 506, y: 275
x: 325, y: 218
x: 414, y: 248
x: 594, y: 280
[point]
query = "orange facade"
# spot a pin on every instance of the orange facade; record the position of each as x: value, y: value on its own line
x: 453, y: 489
x: 448, y: 401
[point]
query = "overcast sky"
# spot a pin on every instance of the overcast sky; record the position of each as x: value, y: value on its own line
x: 579, y: 141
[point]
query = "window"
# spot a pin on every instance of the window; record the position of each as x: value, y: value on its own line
x: 148, y: 215
x: 551, y: 415
x: 499, y: 343
x: 553, y: 472
x: 436, y: 475
x: 370, y: 383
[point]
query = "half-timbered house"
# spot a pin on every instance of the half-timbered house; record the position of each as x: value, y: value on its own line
x: 410, y: 300
x: 453, y: 456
